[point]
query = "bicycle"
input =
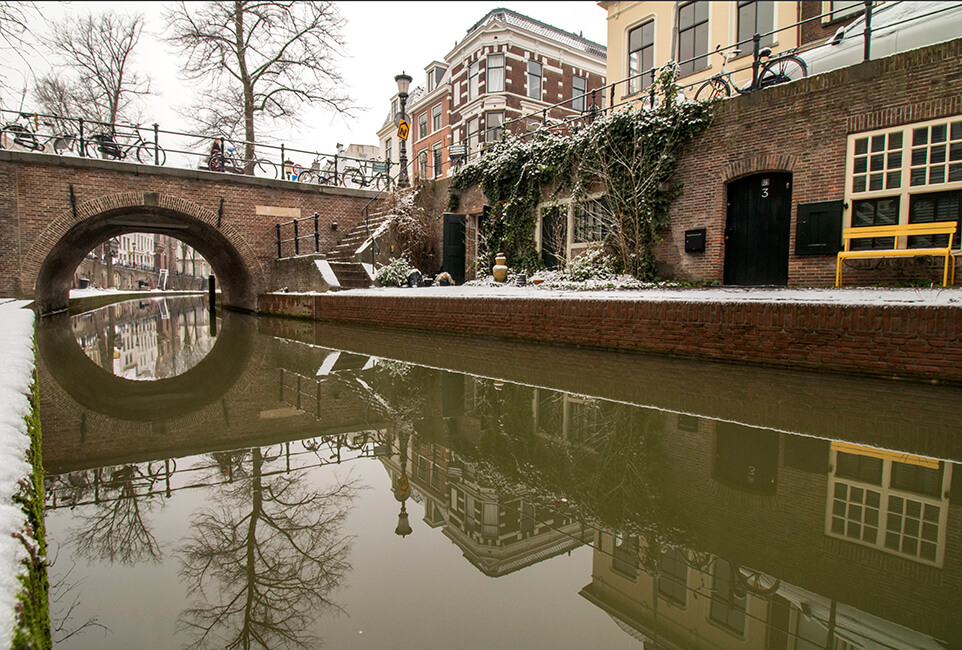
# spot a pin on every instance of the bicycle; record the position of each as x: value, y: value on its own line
x: 226, y: 160
x: 15, y: 133
x: 782, y: 68
x: 106, y: 146
x: 379, y: 175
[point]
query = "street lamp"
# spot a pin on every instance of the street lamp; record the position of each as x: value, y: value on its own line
x: 403, y: 84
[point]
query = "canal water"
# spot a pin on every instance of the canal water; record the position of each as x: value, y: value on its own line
x: 248, y: 482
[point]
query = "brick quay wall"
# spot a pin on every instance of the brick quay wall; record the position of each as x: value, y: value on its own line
x: 901, y: 341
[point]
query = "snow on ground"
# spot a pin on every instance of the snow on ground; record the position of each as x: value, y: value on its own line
x: 854, y: 296
x: 16, y: 373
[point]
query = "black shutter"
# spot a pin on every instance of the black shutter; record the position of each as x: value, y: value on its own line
x: 819, y: 228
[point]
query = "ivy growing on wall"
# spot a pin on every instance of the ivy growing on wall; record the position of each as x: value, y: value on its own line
x: 628, y: 154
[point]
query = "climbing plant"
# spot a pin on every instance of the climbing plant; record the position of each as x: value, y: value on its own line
x: 628, y: 154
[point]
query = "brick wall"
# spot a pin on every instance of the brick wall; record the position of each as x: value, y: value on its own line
x: 903, y: 341
x: 802, y: 128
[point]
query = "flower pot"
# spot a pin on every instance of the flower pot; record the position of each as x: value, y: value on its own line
x: 500, y: 270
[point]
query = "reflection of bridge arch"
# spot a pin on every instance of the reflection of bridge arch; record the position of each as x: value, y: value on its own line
x: 146, y: 401
x: 59, y: 250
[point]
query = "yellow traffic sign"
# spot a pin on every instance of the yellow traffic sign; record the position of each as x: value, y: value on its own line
x: 403, y: 129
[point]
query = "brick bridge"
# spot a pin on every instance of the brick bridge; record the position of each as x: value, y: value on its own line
x: 54, y: 210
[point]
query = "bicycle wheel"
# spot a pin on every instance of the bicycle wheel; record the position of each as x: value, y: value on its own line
x: 356, y: 176
x: 306, y: 176
x: 263, y: 168
x: 714, y: 88
x: 14, y: 134
x: 64, y: 143
x: 380, y: 182
x: 146, y: 152
x: 782, y: 70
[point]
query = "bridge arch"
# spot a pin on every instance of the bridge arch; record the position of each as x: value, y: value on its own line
x: 56, y: 253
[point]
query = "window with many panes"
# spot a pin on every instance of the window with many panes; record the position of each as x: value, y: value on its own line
x: 579, y: 86
x: 534, y: 80
x: 641, y: 56
x: 436, y: 118
x: 494, y: 81
x: 755, y: 17
x: 423, y: 164
x: 590, y: 222
x: 387, y: 150
x: 908, y: 174
x: 625, y: 556
x: 895, y: 503
x: 422, y: 125
x: 693, y: 37
x: 473, y: 76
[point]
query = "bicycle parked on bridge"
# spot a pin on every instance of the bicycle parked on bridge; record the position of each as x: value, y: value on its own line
x: 108, y: 147
x: 225, y: 159
x: 20, y: 134
x: 782, y: 68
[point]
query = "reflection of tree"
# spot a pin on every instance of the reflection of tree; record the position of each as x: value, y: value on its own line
x: 116, y: 530
x: 264, y: 560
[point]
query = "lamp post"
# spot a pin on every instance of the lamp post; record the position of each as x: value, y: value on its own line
x: 403, y: 84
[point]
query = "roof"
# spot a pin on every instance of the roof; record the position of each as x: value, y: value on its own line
x: 573, y: 41
x: 412, y: 98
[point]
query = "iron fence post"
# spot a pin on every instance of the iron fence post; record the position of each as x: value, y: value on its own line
x: 651, y: 88
x: 317, y: 236
x: 611, y: 102
x: 297, y: 243
x: 279, y: 241
x: 335, y: 169
x: 756, y: 55
x: 867, y: 52
x: 83, y: 148
x: 156, y: 145
x: 283, y: 158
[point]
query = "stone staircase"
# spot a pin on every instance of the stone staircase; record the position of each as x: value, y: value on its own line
x: 354, y: 250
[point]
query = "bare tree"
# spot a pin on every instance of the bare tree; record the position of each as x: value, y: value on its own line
x: 16, y: 19
x: 260, y: 61
x: 97, y: 51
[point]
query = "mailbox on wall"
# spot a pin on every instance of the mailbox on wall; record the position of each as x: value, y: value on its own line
x: 695, y: 240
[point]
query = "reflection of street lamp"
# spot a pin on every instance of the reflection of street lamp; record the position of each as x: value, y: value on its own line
x: 402, y: 491
x: 403, y: 84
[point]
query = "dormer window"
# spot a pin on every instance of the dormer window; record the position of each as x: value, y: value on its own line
x: 435, y: 75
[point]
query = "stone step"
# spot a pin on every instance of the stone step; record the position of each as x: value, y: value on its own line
x: 350, y: 275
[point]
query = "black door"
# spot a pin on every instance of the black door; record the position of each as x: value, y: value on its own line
x: 746, y: 458
x: 454, y: 246
x: 554, y: 236
x: 758, y: 230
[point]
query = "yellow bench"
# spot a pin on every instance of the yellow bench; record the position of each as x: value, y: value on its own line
x: 898, y: 231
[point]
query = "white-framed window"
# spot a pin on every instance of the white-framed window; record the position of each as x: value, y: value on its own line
x: 906, y: 174
x: 423, y: 125
x: 473, y: 136
x: 494, y: 82
x: 436, y: 118
x: 494, y: 123
x: 423, y: 164
x: 387, y: 150
x: 579, y: 86
x: 891, y: 501
x: 434, y: 77
x: 693, y: 36
x: 755, y: 17
x: 473, y: 78
x: 727, y: 607
x: 534, y: 79
x: 590, y: 222
x: 438, y: 162
x: 641, y: 56
x: 394, y: 108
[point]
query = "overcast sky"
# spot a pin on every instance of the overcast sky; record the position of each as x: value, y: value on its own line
x: 383, y: 39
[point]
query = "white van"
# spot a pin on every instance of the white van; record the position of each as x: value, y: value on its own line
x: 896, y: 27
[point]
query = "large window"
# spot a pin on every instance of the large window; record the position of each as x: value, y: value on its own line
x: 387, y: 150
x: 874, y: 212
x: 893, y: 502
x: 436, y: 118
x: 641, y: 56
x: 494, y: 123
x: 437, y: 160
x: 727, y: 603
x: 590, y: 222
x: 473, y: 73
x: 579, y: 86
x: 534, y: 80
x: 423, y: 164
x: 423, y: 125
x: 693, y: 37
x: 494, y: 82
x: 755, y: 17
x: 625, y: 556
x: 673, y: 578
x: 937, y: 206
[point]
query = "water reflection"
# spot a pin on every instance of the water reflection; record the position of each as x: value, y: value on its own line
x: 700, y: 531
x: 145, y: 340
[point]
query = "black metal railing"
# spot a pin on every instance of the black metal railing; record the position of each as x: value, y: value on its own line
x: 312, y: 235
